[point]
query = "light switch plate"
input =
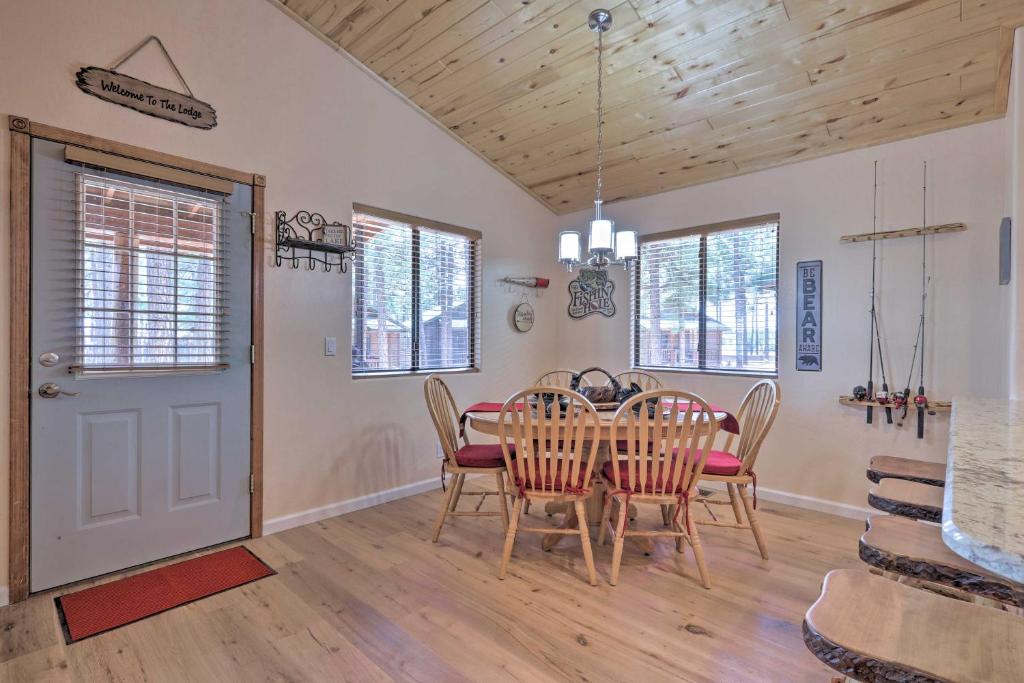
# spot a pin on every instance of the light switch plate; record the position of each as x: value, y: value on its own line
x: 330, y: 346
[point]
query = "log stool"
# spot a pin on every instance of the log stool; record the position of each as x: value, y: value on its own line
x: 907, y: 498
x: 909, y: 548
x: 891, y: 467
x: 873, y: 629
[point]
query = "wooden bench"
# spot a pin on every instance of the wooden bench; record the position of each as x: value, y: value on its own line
x: 891, y: 467
x: 907, y: 498
x: 874, y: 629
x: 910, y: 548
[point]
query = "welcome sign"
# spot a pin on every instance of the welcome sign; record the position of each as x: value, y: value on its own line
x: 808, y: 316
x: 145, y: 97
x: 591, y: 292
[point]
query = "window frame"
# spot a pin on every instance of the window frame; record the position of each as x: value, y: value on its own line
x: 473, y: 303
x: 128, y: 285
x: 703, y: 231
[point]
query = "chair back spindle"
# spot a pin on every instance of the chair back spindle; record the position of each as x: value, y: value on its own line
x: 664, y: 452
x: 559, y: 378
x: 444, y: 414
x: 646, y: 381
x: 756, y: 416
x: 555, y: 433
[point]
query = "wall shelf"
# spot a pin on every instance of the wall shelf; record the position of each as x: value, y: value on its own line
x: 305, y: 232
x: 933, y: 406
x: 905, y: 232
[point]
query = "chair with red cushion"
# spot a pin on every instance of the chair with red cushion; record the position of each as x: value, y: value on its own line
x: 649, y: 471
x: 736, y: 468
x: 553, y: 433
x: 460, y: 460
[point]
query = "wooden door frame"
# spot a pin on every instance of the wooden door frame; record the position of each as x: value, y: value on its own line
x: 22, y: 131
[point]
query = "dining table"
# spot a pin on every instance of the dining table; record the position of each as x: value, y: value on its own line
x: 486, y: 422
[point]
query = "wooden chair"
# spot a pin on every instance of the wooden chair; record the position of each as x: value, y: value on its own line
x: 462, y: 460
x: 907, y: 498
x: 646, y: 381
x: 873, y: 629
x: 554, y: 449
x: 559, y: 378
x: 756, y: 416
x: 891, y: 467
x: 663, y: 459
x: 915, y: 550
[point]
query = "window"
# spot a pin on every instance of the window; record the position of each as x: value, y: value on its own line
x: 149, y: 278
x: 705, y: 298
x: 414, y: 294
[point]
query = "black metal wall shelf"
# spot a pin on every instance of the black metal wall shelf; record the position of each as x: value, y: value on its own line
x: 305, y: 231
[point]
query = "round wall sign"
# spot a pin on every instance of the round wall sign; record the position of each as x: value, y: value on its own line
x: 522, y: 317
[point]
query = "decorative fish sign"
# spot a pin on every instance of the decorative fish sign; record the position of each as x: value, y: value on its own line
x: 145, y: 97
x: 591, y: 292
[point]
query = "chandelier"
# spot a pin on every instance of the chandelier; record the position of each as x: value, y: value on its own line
x: 605, y: 246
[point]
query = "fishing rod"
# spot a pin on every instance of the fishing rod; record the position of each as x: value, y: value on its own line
x: 871, y: 338
x: 875, y: 333
x: 921, y: 401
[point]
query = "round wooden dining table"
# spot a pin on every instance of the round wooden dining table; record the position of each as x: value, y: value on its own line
x: 487, y: 423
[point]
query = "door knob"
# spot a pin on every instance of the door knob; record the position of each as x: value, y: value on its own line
x: 52, y: 390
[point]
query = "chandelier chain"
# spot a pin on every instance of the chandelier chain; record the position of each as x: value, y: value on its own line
x: 600, y: 118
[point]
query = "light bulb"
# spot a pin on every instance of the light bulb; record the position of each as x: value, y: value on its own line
x: 569, y: 247
x: 602, y: 236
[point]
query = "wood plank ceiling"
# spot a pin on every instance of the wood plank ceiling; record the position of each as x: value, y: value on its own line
x: 695, y: 90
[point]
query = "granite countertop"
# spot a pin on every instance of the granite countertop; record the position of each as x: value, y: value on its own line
x: 983, y: 510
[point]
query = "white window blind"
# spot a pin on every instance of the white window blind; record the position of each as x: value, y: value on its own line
x: 414, y: 295
x: 150, y: 278
x: 705, y: 299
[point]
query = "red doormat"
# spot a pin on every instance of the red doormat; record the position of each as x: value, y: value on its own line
x: 99, y: 609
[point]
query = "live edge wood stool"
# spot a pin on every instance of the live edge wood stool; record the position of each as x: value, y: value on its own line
x: 874, y: 629
x: 891, y: 467
x: 907, y: 498
x: 916, y: 550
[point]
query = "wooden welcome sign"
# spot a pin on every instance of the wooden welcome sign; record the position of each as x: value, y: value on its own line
x: 127, y: 91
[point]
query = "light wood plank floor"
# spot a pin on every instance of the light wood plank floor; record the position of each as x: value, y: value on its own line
x: 368, y: 597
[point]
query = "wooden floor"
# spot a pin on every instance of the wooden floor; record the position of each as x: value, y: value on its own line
x: 368, y: 597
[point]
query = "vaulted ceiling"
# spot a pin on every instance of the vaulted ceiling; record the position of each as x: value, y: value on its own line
x: 695, y: 90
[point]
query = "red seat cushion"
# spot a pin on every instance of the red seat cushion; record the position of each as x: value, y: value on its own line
x: 552, y: 470
x: 722, y: 463
x: 609, y: 474
x: 718, y: 462
x: 481, y: 455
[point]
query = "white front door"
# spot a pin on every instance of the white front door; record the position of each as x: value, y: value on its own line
x: 140, y: 369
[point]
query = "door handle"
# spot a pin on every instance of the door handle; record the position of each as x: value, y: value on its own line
x: 52, y: 390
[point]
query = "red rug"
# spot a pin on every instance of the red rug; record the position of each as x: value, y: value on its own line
x: 99, y: 609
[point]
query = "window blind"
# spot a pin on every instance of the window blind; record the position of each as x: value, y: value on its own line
x: 150, y: 274
x: 706, y: 298
x: 414, y: 295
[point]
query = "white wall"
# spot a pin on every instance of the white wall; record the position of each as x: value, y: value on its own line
x: 1015, y: 209
x: 325, y: 134
x: 819, y: 448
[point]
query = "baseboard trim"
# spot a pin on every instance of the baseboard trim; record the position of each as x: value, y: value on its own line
x: 805, y: 502
x: 342, y: 507
x: 4, y: 596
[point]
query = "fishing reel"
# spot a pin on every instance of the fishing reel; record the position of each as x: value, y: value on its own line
x: 860, y: 393
x: 882, y: 397
x: 899, y: 399
x: 921, y: 401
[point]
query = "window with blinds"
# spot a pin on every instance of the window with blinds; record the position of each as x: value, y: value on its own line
x: 150, y: 267
x: 415, y: 303
x: 706, y: 298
